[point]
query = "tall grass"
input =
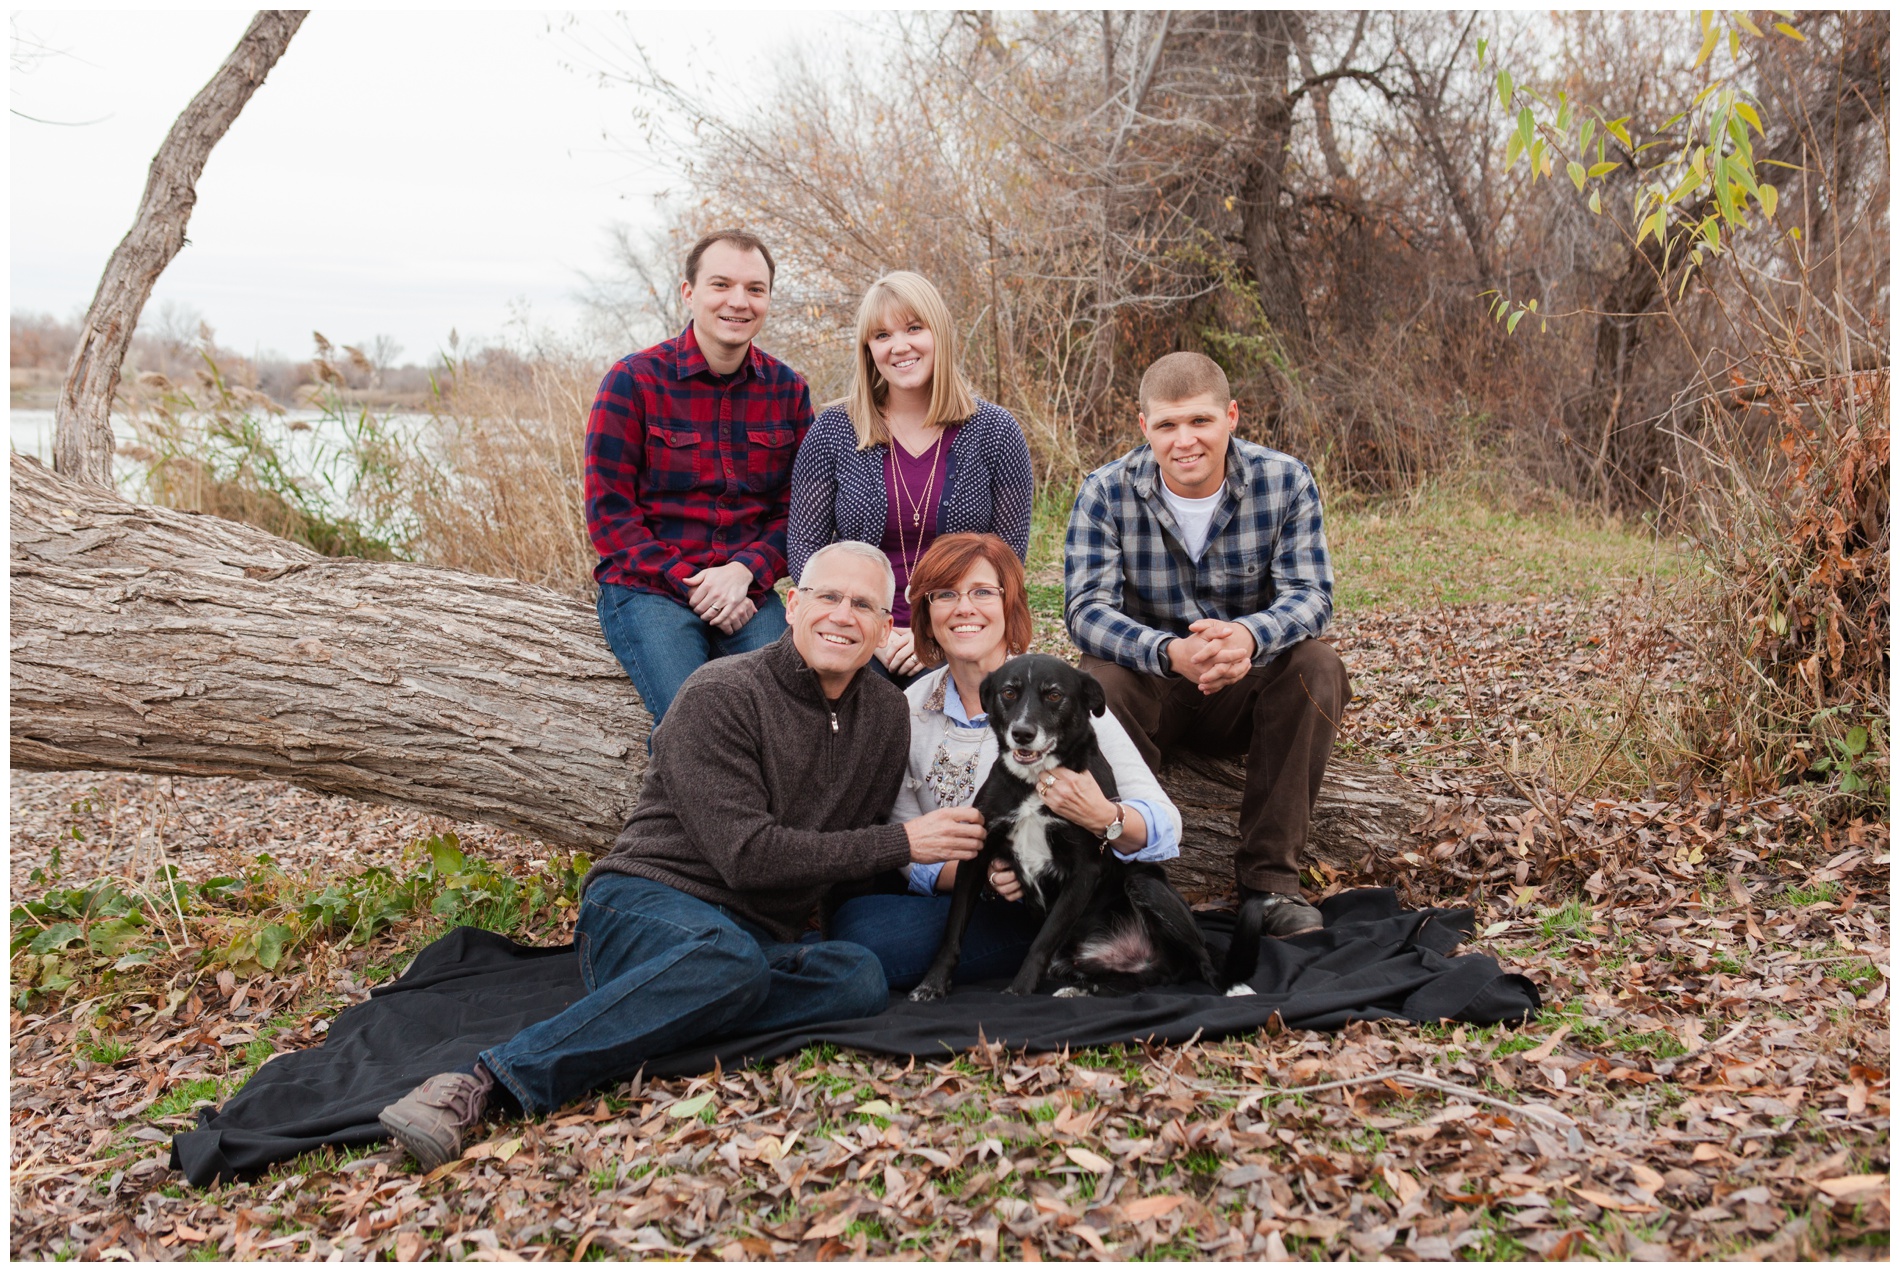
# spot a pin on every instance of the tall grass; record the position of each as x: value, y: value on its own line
x: 220, y: 448
x: 487, y: 480
x: 494, y: 484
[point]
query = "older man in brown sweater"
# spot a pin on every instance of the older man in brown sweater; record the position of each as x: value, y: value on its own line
x: 770, y: 781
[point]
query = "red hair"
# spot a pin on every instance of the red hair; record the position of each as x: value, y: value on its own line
x: 944, y: 565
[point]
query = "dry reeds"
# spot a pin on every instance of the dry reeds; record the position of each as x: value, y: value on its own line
x: 496, y: 475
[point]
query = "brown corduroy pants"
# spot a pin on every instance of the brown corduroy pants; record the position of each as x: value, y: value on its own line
x: 1281, y: 716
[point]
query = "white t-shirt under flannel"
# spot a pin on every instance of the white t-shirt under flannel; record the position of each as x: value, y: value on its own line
x: 1193, y: 517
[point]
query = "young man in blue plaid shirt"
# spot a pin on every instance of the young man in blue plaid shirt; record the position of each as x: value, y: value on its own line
x: 1196, y: 584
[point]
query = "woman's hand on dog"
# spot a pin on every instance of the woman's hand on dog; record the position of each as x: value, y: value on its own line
x: 946, y: 834
x: 1078, y: 797
x: 1003, y: 880
x: 1004, y: 883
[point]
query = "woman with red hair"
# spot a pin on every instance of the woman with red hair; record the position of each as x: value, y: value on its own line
x: 970, y: 610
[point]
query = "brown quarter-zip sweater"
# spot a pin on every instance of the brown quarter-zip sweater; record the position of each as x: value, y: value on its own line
x: 762, y: 794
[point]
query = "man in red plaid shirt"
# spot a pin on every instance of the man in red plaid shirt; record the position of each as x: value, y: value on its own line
x: 689, y: 464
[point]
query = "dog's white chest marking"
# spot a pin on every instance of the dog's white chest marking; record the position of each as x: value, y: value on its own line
x: 1029, y: 842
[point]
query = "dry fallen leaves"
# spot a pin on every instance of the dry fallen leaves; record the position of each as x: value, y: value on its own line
x: 1715, y: 1059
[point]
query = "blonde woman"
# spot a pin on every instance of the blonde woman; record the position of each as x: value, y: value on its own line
x: 909, y: 454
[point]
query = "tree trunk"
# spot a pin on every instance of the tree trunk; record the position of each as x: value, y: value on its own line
x: 155, y: 641
x: 1263, y: 214
x: 1360, y: 808
x: 82, y: 419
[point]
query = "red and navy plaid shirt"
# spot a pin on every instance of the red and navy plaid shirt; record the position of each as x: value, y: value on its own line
x: 687, y: 469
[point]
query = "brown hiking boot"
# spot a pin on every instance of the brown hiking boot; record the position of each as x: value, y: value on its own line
x: 432, y: 1119
x: 1284, y: 914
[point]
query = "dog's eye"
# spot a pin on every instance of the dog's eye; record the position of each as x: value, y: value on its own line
x: 1009, y: 694
x: 1052, y: 697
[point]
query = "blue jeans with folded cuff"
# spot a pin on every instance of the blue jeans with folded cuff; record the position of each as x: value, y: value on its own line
x: 905, y: 931
x: 665, y: 971
x: 660, y: 642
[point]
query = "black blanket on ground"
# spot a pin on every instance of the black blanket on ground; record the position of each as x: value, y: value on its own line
x: 473, y: 989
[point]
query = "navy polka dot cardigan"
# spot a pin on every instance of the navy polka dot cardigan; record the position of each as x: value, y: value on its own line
x: 839, y: 491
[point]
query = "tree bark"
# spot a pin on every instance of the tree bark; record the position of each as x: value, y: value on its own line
x: 1263, y: 214
x: 155, y: 641
x: 82, y: 418
x: 1360, y: 808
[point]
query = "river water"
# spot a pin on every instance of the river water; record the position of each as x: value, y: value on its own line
x: 305, y: 451
x: 31, y: 433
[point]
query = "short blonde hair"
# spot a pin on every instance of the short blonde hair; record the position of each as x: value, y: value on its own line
x: 895, y: 296
x: 1175, y: 377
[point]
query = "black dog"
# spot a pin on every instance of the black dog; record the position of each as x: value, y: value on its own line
x: 1110, y: 924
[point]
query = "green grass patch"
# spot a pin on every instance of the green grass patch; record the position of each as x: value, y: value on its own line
x: 1659, y: 1044
x: 1859, y: 977
x: 186, y: 1096
x: 816, y: 1055
x: 968, y: 1113
x: 1176, y: 1251
x: 1813, y: 894
x: 1048, y: 525
x: 106, y: 1050
x: 1446, y: 546
x: 1202, y: 1161
x: 1569, y: 921
x: 867, y: 1229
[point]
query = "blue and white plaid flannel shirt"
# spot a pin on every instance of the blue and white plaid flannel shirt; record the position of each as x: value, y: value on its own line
x: 1130, y: 587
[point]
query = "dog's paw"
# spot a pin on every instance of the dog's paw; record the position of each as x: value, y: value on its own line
x: 1241, y: 990
x: 926, y: 994
x: 1072, y: 991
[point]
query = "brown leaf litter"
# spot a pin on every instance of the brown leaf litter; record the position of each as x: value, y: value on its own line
x: 1710, y: 1079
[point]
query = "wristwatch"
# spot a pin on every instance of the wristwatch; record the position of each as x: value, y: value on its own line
x: 1114, y: 830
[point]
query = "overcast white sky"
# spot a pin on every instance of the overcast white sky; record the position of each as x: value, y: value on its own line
x: 399, y: 173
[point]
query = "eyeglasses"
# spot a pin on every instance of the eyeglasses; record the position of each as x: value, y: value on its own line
x: 832, y: 600
x: 950, y: 596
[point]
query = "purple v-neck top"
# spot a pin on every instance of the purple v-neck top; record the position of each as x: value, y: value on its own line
x: 904, y: 543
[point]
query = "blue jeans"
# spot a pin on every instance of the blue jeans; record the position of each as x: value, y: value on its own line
x: 660, y: 642
x: 663, y: 971
x: 904, y: 932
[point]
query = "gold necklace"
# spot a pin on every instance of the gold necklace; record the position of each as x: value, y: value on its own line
x: 916, y: 509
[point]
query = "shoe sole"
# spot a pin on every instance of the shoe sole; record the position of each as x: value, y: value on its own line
x: 429, y: 1152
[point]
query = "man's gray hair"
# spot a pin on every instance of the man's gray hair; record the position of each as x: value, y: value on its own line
x: 852, y: 547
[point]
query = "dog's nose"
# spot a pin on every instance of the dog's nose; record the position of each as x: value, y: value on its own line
x: 1022, y: 735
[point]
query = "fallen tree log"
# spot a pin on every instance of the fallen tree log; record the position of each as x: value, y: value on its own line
x: 157, y: 641
x: 150, y: 640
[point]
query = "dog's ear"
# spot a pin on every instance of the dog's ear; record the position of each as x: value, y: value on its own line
x: 986, y: 692
x: 1093, y: 695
